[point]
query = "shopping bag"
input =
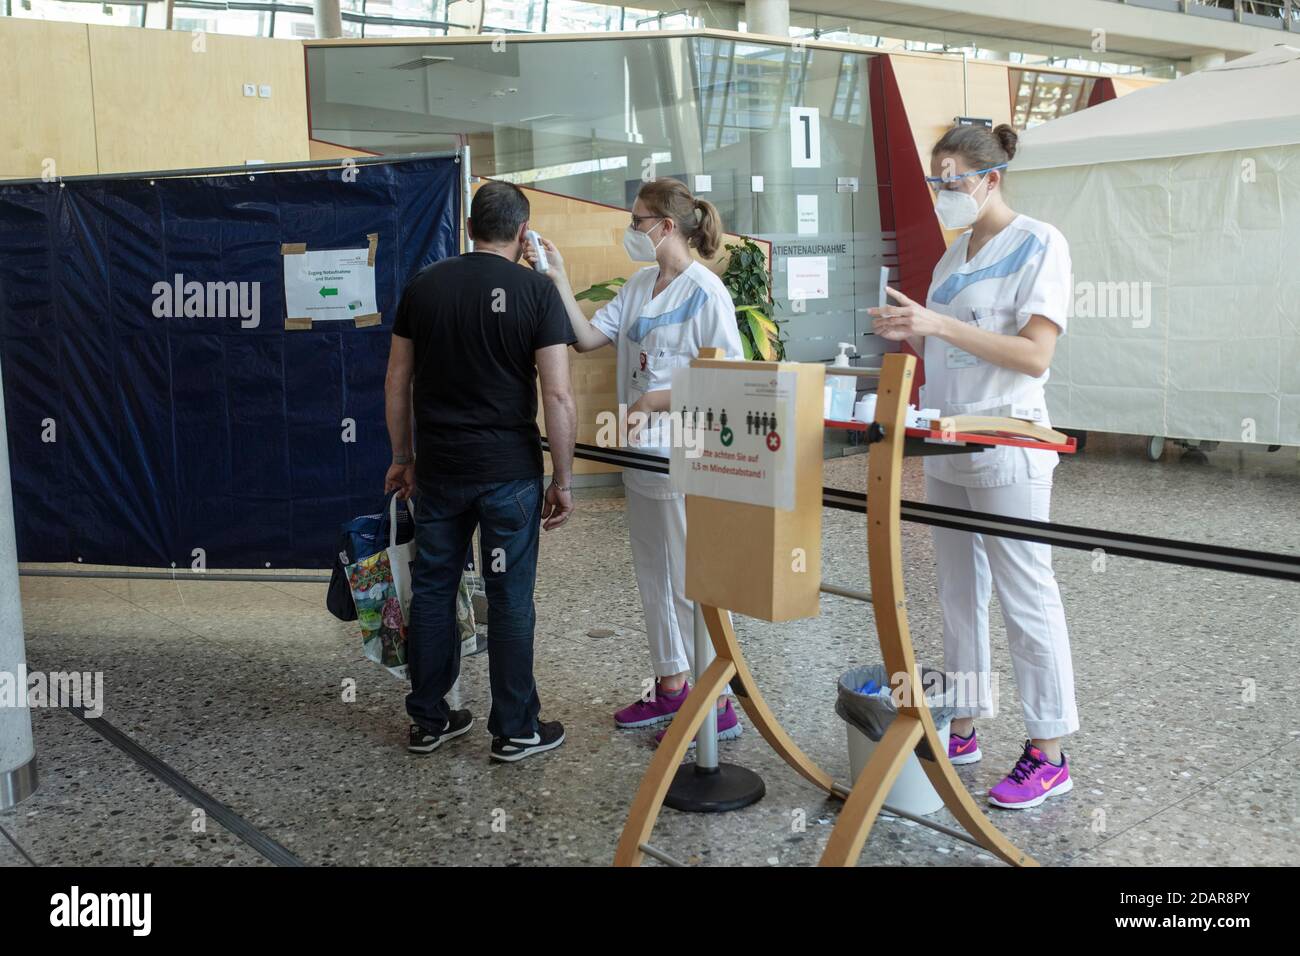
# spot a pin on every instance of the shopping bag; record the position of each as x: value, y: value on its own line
x: 360, y: 538
x: 380, y: 584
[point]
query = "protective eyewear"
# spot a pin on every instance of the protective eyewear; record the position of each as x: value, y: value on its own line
x: 937, y: 183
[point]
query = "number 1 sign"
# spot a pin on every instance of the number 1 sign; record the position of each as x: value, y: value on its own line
x: 805, y: 137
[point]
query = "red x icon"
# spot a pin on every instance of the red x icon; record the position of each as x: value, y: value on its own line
x: 773, y: 441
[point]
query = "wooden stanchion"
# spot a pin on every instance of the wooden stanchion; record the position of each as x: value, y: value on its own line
x: 716, y: 569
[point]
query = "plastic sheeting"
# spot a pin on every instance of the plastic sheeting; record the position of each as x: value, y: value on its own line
x: 158, y: 442
x: 1236, y: 105
x: 1186, y: 319
x: 1181, y: 204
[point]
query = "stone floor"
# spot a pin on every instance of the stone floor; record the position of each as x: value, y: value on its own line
x: 240, y: 689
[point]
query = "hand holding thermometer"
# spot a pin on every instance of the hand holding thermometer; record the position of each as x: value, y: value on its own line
x: 884, y: 294
x: 539, y: 263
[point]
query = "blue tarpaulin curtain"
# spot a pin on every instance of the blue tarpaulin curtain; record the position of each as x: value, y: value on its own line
x: 139, y: 440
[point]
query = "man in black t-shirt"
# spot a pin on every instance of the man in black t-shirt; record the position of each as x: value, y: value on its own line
x: 472, y: 335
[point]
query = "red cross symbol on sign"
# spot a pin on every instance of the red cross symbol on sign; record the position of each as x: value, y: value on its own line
x: 773, y: 441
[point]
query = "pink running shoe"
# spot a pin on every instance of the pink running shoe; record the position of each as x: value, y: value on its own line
x: 1032, y: 781
x: 728, y: 726
x: 963, y: 749
x: 660, y: 709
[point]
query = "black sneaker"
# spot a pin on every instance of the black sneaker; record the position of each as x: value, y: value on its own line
x: 426, y: 741
x: 550, y: 734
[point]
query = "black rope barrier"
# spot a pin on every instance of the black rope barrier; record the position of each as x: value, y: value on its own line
x: 1285, y: 567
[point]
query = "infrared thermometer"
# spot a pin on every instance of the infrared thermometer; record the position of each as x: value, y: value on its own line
x: 540, y: 264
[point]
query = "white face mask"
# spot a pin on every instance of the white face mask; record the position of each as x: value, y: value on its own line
x: 639, y: 246
x: 957, y: 209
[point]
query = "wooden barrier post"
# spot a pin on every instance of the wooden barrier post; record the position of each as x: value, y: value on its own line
x: 913, y: 725
x: 757, y: 560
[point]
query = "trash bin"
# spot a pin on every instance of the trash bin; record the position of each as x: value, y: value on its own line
x: 866, y: 704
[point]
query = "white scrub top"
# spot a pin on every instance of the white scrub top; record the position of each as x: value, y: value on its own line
x: 656, y: 334
x: 1022, y: 271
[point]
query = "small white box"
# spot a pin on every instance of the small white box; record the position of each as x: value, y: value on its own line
x: 264, y: 91
x: 250, y: 89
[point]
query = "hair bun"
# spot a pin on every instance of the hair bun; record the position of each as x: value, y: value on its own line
x: 1007, y: 138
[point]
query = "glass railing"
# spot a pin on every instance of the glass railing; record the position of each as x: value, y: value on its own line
x: 593, y: 117
x: 1277, y: 14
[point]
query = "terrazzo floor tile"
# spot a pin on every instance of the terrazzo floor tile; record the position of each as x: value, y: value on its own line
x: 96, y: 807
x: 1177, y: 837
x: 10, y: 855
x: 257, y: 695
x: 1262, y: 796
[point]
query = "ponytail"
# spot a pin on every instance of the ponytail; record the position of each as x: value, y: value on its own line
x: 708, y: 234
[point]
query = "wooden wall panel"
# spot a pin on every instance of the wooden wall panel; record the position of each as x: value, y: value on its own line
x: 48, y: 113
x: 160, y: 103
x: 318, y: 149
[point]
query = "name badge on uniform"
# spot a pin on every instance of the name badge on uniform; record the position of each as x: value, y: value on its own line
x: 958, y: 358
x: 1029, y: 413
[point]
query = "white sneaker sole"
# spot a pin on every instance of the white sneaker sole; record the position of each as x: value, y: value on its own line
x: 1054, y: 792
x: 651, y: 722
x: 731, y: 734
x: 452, y: 735
x: 539, y: 749
x: 974, y: 756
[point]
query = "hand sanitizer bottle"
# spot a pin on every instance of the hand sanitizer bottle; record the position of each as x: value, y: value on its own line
x: 844, y: 388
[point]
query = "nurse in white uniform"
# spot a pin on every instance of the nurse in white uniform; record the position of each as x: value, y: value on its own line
x: 659, y: 321
x: 988, y: 330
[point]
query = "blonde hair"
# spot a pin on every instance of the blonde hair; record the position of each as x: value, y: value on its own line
x: 697, y: 219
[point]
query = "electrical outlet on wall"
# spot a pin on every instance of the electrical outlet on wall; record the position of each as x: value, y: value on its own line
x: 250, y: 89
x: 264, y: 91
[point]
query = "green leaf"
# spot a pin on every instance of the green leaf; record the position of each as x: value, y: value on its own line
x: 761, y: 343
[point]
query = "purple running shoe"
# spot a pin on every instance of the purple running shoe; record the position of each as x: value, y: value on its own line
x: 963, y: 749
x: 1031, y: 781
x: 728, y: 725
x: 661, y: 708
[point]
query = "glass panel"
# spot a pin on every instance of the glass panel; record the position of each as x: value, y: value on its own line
x: 1044, y: 96
x: 397, y: 30
x: 249, y: 23
x: 402, y: 9
x: 295, y: 26
x: 518, y: 15
x: 635, y: 19
x: 111, y: 14
x: 592, y: 118
x: 571, y: 16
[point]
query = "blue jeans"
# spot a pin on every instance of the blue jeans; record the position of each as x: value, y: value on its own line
x: 508, y: 515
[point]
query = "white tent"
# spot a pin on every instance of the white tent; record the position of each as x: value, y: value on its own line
x: 1181, y: 203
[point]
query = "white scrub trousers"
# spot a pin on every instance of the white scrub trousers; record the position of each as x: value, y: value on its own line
x: 969, y: 565
x: 657, y: 529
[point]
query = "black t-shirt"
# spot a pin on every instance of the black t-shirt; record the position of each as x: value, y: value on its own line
x: 476, y: 320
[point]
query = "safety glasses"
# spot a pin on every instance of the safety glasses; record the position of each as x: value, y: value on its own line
x: 937, y: 183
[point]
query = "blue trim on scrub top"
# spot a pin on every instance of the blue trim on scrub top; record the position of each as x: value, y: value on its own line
x: 1011, y: 264
x: 646, y: 324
